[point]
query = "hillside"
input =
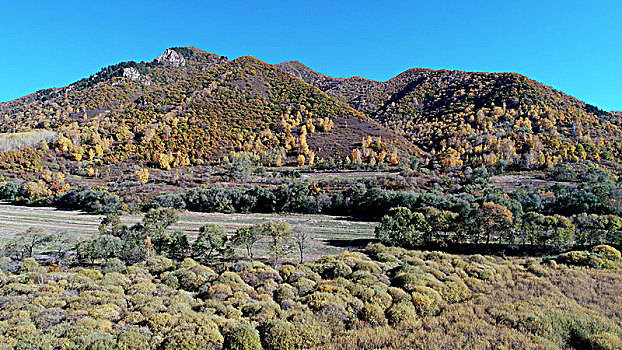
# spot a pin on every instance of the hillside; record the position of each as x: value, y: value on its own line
x: 189, y: 107
x: 470, y: 118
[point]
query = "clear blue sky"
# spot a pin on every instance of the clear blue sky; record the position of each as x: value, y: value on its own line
x: 574, y: 46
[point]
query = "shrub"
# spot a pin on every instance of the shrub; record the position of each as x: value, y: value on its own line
x: 261, y: 311
x: 426, y: 300
x: 92, y: 274
x: 134, y: 339
x: 104, y: 343
x: 110, y: 312
x: 146, y: 288
x: 607, y: 252
x: 400, y: 312
x: 242, y: 338
x: 267, y: 287
x: 230, y: 278
x: 537, y: 270
x: 241, y: 265
x: 50, y: 317
x: 304, y: 286
x: 158, y: 264
x: 454, y: 290
x: 218, y: 291
x: 30, y: 265
x: 169, y: 200
x: 285, y: 271
x: 333, y: 312
x: 581, y: 258
x: 278, y: 335
x: 373, y: 315
x: 605, y: 341
x: 113, y: 265
x: 368, y: 266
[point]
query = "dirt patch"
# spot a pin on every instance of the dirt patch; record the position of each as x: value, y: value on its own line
x: 514, y: 181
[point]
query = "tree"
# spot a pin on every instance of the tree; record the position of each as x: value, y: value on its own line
x: 212, y: 241
x: 402, y: 227
x: 559, y: 232
x: 160, y: 242
x: 165, y: 161
x: 142, y: 175
x: 553, y: 231
x: 34, y: 191
x: 179, y: 246
x: 158, y: 220
x: 279, y: 234
x: 442, y: 222
x: 111, y: 225
x: 61, y: 242
x: 394, y: 158
x: 301, y: 160
x: 532, y: 226
x: 302, y: 239
x: 100, y: 247
x: 247, y: 236
x: 595, y: 229
x: 25, y: 244
x: 493, y: 219
x: 614, y: 230
x: 155, y: 223
x: 240, y: 170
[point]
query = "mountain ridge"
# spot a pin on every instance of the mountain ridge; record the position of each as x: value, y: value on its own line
x: 188, y: 106
x: 446, y: 118
x: 418, y: 102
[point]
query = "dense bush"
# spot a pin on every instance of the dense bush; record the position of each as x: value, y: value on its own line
x: 385, y: 297
x: 600, y: 257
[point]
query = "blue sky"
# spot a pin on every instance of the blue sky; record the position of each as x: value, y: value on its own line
x: 574, y: 46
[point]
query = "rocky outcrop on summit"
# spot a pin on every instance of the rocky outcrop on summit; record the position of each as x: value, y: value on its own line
x: 172, y: 57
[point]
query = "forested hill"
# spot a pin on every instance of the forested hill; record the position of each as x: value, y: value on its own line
x: 470, y: 118
x: 189, y: 106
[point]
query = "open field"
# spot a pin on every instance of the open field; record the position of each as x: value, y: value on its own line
x: 533, y: 179
x: 323, y: 175
x: 330, y: 234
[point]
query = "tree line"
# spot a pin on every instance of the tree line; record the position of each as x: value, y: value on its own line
x: 494, y: 223
x: 152, y: 236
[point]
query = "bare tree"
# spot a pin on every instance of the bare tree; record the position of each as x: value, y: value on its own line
x: 61, y: 243
x: 302, y: 240
x: 279, y: 238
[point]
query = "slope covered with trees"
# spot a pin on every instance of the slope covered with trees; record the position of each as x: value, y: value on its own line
x: 188, y: 107
x: 480, y: 119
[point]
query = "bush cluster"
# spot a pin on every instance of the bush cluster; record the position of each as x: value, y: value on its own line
x: 335, y: 301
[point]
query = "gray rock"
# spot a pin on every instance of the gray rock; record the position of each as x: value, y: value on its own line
x: 172, y: 57
x: 131, y: 73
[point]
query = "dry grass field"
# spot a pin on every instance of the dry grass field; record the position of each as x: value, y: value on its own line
x: 330, y: 234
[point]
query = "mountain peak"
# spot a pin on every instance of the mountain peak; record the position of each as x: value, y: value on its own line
x: 172, y: 57
x: 182, y: 56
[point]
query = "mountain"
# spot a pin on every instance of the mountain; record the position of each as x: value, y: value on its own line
x: 471, y: 118
x: 189, y: 106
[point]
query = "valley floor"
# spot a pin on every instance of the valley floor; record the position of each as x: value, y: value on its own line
x: 330, y: 234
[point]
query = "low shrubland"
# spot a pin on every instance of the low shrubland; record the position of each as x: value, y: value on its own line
x: 383, y: 297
